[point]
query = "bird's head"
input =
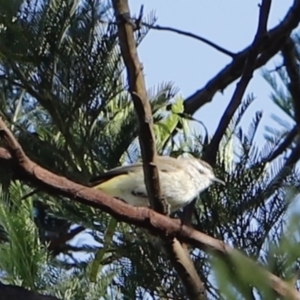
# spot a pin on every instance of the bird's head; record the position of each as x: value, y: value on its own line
x: 205, y: 169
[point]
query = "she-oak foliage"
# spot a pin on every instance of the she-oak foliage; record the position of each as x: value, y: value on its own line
x: 64, y: 97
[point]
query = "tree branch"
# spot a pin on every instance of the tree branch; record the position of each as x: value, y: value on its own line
x: 137, y: 89
x: 181, y: 261
x: 284, y: 144
x: 260, y: 38
x: 234, y: 70
x: 290, y: 62
x: 28, y: 171
x: 191, y: 35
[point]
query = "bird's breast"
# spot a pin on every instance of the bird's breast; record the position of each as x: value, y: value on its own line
x: 178, y: 187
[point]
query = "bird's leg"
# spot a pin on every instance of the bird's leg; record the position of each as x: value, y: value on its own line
x: 168, y: 208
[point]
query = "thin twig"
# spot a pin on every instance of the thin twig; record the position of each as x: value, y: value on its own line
x: 290, y: 63
x: 261, y: 35
x: 290, y: 137
x: 233, y: 71
x: 292, y: 68
x: 191, y: 35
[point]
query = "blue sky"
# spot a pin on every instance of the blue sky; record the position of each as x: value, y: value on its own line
x: 189, y: 64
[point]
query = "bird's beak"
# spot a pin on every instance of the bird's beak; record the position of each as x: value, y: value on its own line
x: 215, y: 179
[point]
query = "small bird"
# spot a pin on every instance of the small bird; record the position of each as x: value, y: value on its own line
x: 181, y: 180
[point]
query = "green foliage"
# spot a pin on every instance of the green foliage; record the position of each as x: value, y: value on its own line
x: 25, y: 260
x: 63, y: 95
x: 281, y: 257
x: 22, y: 255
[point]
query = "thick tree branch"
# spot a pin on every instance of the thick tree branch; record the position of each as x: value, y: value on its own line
x: 234, y: 70
x: 137, y: 88
x: 12, y: 292
x: 181, y: 261
x: 28, y: 171
x: 260, y: 37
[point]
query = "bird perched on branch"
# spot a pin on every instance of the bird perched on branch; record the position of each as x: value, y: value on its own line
x: 181, y: 181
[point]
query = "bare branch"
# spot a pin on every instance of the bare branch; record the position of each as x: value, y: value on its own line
x: 260, y: 37
x: 191, y: 35
x: 181, y: 261
x: 284, y: 145
x: 233, y: 71
x: 27, y: 170
x: 137, y: 88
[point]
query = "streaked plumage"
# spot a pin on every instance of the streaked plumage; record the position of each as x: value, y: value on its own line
x: 181, y: 181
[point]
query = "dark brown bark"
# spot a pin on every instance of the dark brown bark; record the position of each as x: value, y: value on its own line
x: 137, y: 89
x: 179, y: 257
x: 11, y: 292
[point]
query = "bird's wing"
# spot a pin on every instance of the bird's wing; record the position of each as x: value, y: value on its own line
x: 165, y: 164
x: 114, y: 172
